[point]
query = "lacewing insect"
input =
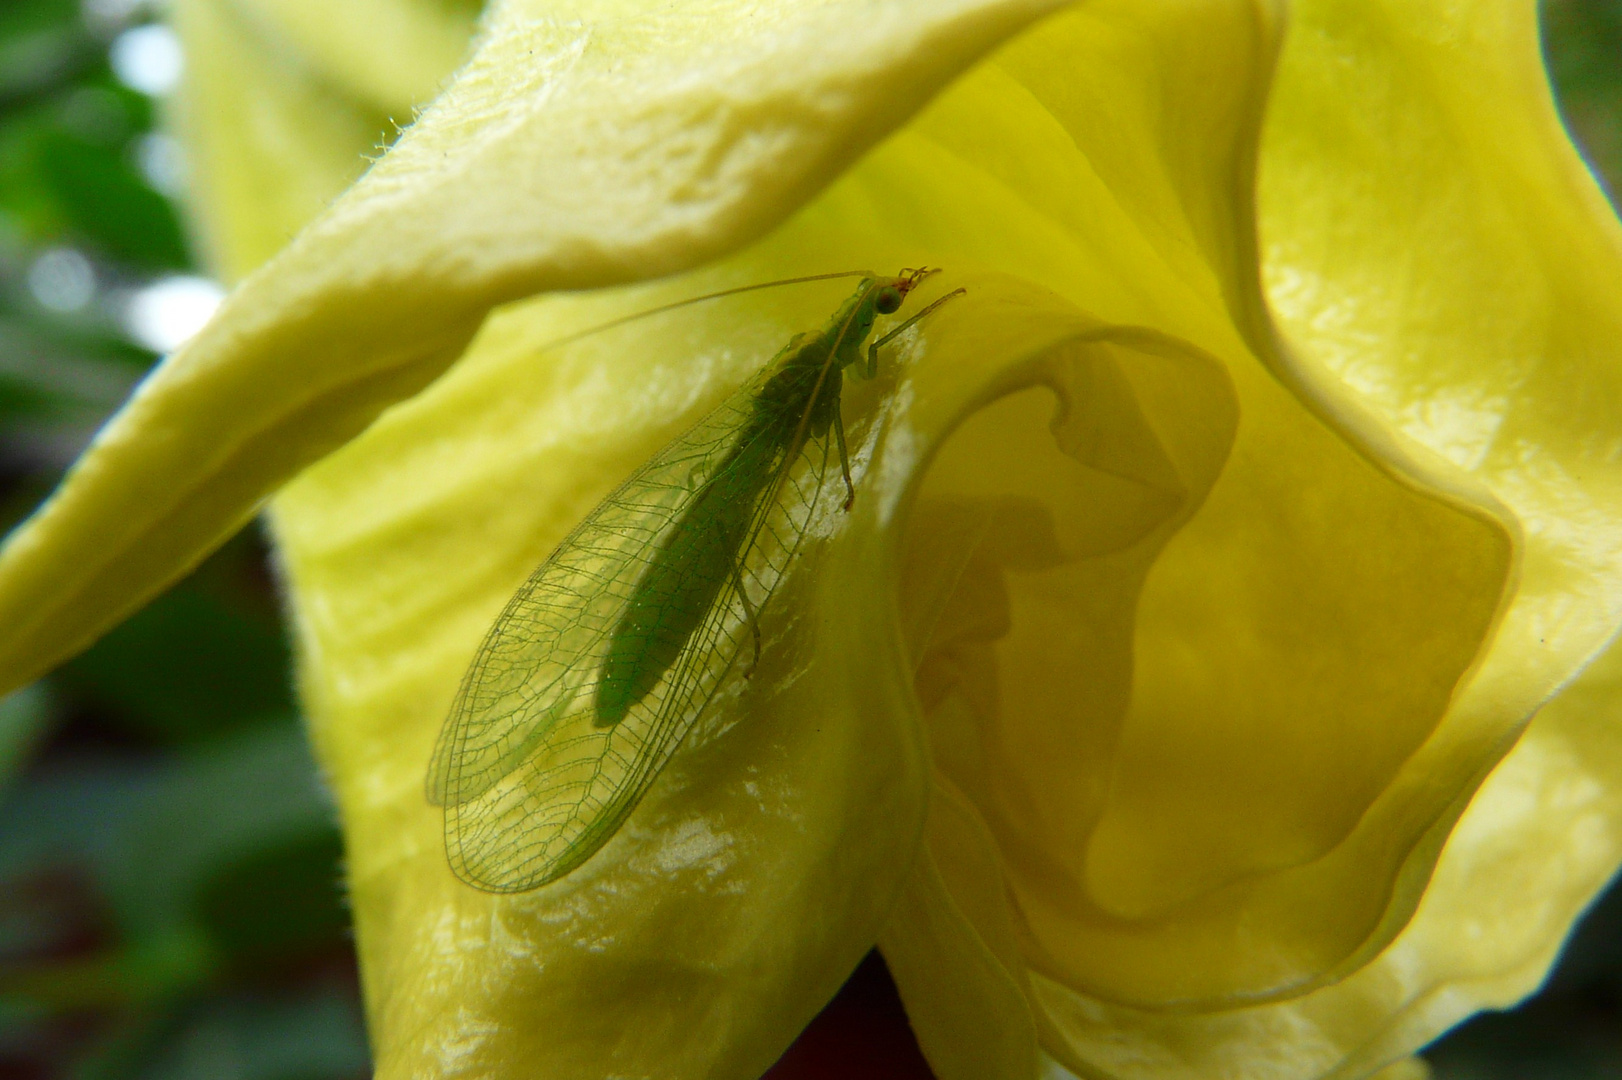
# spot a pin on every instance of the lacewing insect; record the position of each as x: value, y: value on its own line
x: 606, y: 657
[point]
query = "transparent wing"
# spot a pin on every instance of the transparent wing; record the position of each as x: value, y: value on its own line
x: 531, y: 784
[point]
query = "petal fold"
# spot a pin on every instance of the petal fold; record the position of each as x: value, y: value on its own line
x: 1440, y: 305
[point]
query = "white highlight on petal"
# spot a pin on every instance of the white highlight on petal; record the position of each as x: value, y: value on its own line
x: 694, y: 845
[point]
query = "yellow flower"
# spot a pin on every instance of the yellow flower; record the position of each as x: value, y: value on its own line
x: 1211, y: 678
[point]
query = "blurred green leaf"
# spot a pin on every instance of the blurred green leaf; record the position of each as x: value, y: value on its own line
x: 185, y: 667
x: 25, y: 716
x: 140, y: 881
x: 22, y: 398
x: 1582, y: 42
x: 43, y: 378
x: 259, y: 1037
x: 22, y: 19
x: 280, y: 902
x: 157, y: 835
x: 66, y: 173
x: 169, y: 847
x: 153, y: 968
x: 41, y: 42
x: 104, y: 199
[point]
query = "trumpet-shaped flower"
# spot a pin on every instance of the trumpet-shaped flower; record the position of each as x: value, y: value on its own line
x: 1211, y: 677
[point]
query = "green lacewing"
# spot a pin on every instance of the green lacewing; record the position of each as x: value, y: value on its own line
x: 605, y: 658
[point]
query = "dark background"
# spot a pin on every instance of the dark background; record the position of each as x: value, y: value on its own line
x: 170, y: 904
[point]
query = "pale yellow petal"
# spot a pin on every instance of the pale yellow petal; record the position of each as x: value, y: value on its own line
x: 1300, y: 588
x: 1441, y: 261
x: 571, y: 151
x: 285, y: 104
x: 1213, y: 637
x: 395, y: 55
x: 771, y: 853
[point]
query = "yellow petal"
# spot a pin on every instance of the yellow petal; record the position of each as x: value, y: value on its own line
x: 281, y: 109
x: 955, y: 953
x: 395, y: 55
x: 1151, y: 427
x: 769, y: 856
x: 1444, y: 289
x: 617, y: 153
x: 1541, y: 838
x: 1209, y: 659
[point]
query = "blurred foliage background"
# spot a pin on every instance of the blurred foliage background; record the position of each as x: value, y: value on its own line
x: 170, y: 872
